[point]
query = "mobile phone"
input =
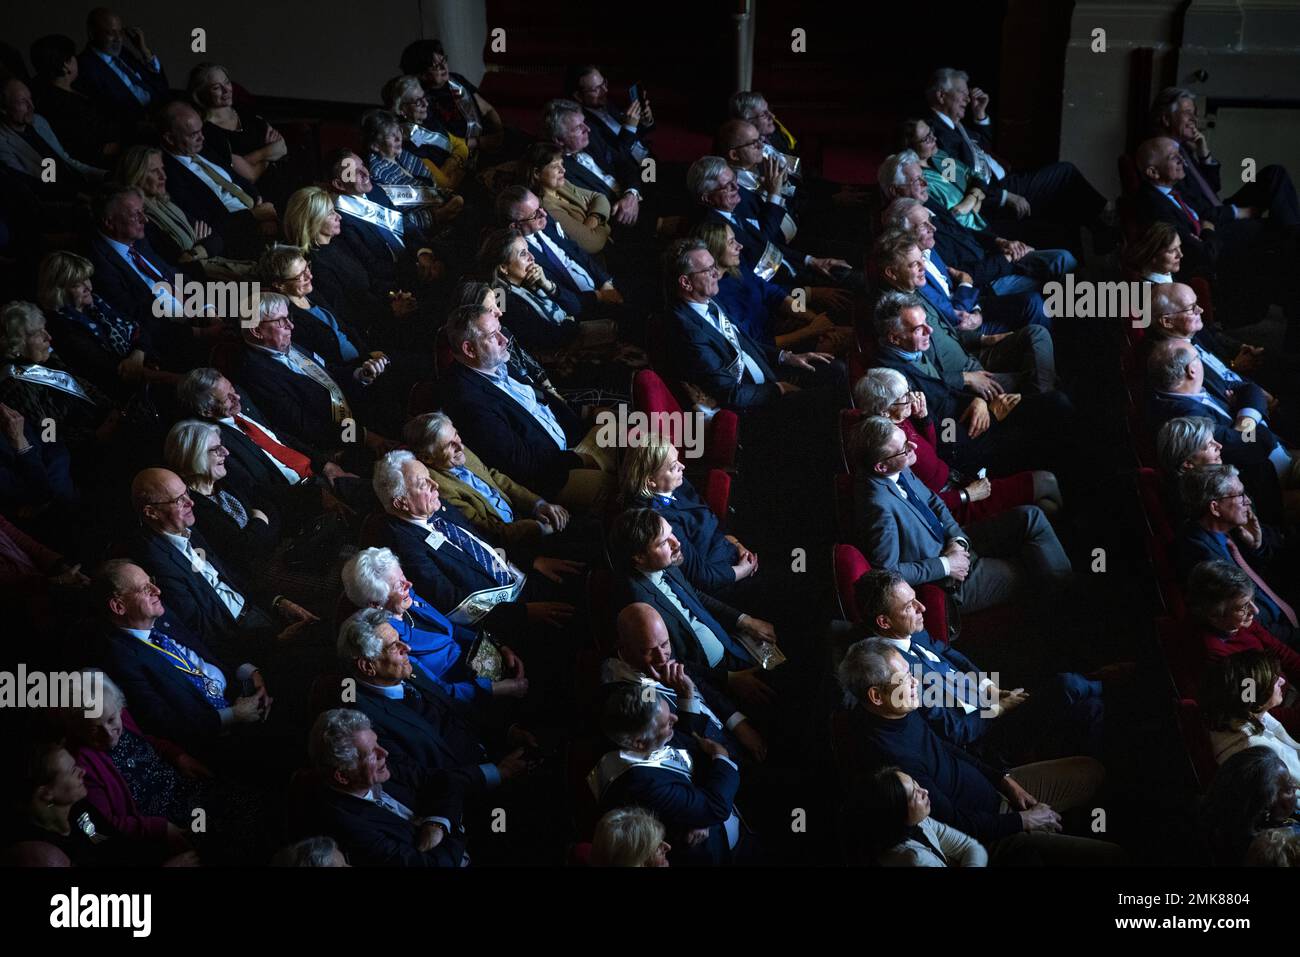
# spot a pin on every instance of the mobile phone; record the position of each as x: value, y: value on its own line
x: 634, y: 91
x: 981, y: 473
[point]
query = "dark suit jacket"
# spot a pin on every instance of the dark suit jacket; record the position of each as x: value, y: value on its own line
x: 194, y: 196
x: 39, y: 475
x: 943, y: 399
x: 702, y: 355
x: 971, y: 250
x: 1202, y: 252
x: 575, y: 301
x: 294, y: 404
x: 342, y: 282
x: 894, y: 535
x: 245, y: 548
x: 374, y: 837
x: 707, y: 556
x: 616, y: 163
x: 98, y: 81
x: 419, y: 746
x: 616, y: 142
x: 446, y: 576
x: 120, y: 286
x: 1194, y: 544
x: 312, y: 335
x: 505, y: 436
x: 387, y: 268
x: 1163, y: 406
x: 247, y: 466
x: 951, y: 142
x: 162, y: 699
x: 753, y: 242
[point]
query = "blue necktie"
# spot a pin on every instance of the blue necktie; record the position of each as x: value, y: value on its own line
x: 918, y: 503
x: 466, y: 543
x: 200, y: 681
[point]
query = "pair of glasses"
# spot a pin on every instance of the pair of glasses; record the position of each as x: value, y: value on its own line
x: 1245, y: 497
x: 172, y: 501
x: 151, y: 583
x: 219, y: 450
x: 907, y: 447
x: 531, y: 219
x: 712, y: 270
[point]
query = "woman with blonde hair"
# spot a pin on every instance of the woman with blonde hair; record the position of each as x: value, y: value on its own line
x: 255, y: 145
x: 629, y: 837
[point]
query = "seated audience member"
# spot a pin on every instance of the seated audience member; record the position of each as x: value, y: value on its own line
x: 204, y: 591
x: 1063, y: 716
x: 1157, y: 255
x: 1251, y: 794
x: 888, y: 821
x: 294, y: 390
x: 176, y: 684
x: 342, y: 282
x: 49, y: 793
x: 706, y: 634
x: 27, y: 144
x: 203, y: 183
x: 1222, y: 526
x: 951, y: 291
x: 427, y: 733
x: 1000, y: 430
x: 1223, y: 621
x: 424, y: 153
x: 532, y: 436
x: 89, y: 134
x: 254, y: 145
x: 459, y: 573
x: 1022, y: 361
x: 1015, y: 813
x: 760, y: 308
x: 111, y: 351
x: 629, y: 837
x: 453, y: 100
x: 583, y: 214
x: 1269, y: 192
x: 242, y: 524
x: 401, y: 176
x: 442, y: 651
x: 193, y: 246
x: 1057, y: 192
x: 949, y: 179
x: 903, y: 525
x: 1237, y: 720
x: 1006, y: 266
x: 645, y: 656
x: 763, y: 181
x: 36, y: 485
x: 621, y: 131
x: 499, y: 508
x: 123, y: 81
x: 311, y: 852
x: 147, y: 787
x: 689, y: 784
x: 778, y: 142
x: 884, y: 392
x: 592, y: 164
x: 376, y: 820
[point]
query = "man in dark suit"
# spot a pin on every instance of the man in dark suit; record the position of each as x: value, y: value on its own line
x: 531, y: 435
x: 626, y: 132
x: 1224, y: 527
x: 202, y: 183
x: 901, y: 524
x: 459, y: 573
x: 139, y: 283
x: 176, y: 685
x: 125, y: 85
x: 592, y: 164
x: 204, y: 592
x: 689, y: 784
x: 378, y: 821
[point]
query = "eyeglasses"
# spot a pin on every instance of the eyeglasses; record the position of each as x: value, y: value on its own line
x: 218, y: 450
x: 602, y: 85
x: 711, y: 270
x: 306, y: 271
x: 1245, y: 497
x: 185, y: 496
x: 540, y: 214
x: 745, y: 146
x: 927, y: 138
x: 728, y: 187
x: 907, y: 447
x: 278, y: 321
x: 416, y: 101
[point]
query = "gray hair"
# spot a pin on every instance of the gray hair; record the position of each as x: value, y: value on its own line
x: 1162, y: 299
x: 359, y: 634
x: 365, y: 576
x: 1199, y: 487
x: 878, y: 390
x: 744, y: 105
x: 870, y: 439
x: 1213, y: 586
x: 270, y: 304
x: 309, y: 852
x: 388, y: 481
x: 895, y: 215
x: 866, y: 666
x: 422, y: 432
x: 1167, y: 101
x: 628, y: 715
x: 16, y: 319
x: 703, y: 175
x: 186, y: 448
x: 332, y: 744
x: 891, y: 173
x: 195, y: 390
x: 553, y: 114
x: 395, y: 90
x: 1167, y: 365
x: 889, y: 311
x: 1181, y: 438
x: 942, y: 80
x: 677, y: 261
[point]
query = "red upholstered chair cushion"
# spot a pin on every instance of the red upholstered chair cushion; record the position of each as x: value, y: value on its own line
x: 849, y: 565
x: 1184, y: 654
x: 1149, y: 485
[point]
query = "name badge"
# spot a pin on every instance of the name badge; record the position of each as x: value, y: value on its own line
x: 435, y: 540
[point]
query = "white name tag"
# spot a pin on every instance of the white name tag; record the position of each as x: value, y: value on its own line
x: 435, y: 540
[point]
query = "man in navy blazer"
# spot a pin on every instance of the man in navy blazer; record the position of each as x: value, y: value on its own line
x: 125, y: 85
x: 162, y: 666
x: 1224, y: 527
x: 593, y: 164
x: 528, y: 433
x: 690, y: 784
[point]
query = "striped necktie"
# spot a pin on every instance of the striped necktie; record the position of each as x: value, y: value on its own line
x: 469, y: 545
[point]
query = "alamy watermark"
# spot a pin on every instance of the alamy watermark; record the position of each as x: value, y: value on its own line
x: 1098, y: 300
x: 53, y: 689
x: 188, y: 299
x: 625, y: 429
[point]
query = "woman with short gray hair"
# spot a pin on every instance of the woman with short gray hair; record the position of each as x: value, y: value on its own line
x: 884, y: 392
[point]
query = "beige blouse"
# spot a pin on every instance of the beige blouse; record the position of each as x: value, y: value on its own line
x: 571, y: 205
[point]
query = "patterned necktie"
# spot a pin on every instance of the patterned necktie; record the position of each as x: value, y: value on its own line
x: 1201, y: 181
x: 470, y: 546
x: 222, y: 182
x: 290, y: 458
x: 189, y: 664
x: 145, y: 266
x: 729, y: 333
x: 1287, y: 611
x: 308, y: 367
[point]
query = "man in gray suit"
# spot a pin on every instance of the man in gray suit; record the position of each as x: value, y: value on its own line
x: 905, y: 526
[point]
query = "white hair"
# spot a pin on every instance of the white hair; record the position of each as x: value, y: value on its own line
x: 366, y: 576
x: 897, y: 212
x: 703, y: 175
x: 359, y: 635
x: 389, y: 482
x: 878, y: 390
x: 332, y: 744
x: 944, y: 79
x: 892, y: 171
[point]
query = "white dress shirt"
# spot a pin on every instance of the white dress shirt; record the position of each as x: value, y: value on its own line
x: 232, y: 599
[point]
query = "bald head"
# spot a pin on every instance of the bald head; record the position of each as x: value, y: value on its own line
x: 1160, y: 161
x: 643, y: 639
x: 181, y: 128
x: 162, y: 501
x: 16, y: 103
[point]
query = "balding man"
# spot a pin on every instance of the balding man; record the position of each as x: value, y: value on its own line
x: 644, y: 655
x: 28, y: 146
x: 763, y: 180
x: 201, y: 181
x: 204, y: 592
x: 124, y: 81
